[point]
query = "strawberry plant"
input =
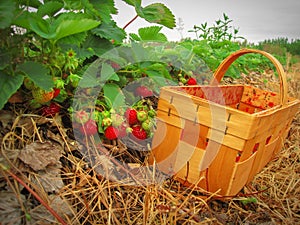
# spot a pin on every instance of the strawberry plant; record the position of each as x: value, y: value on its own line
x: 50, y: 43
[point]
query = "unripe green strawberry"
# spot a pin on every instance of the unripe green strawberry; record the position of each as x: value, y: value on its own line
x: 183, y: 80
x: 106, y: 122
x: 147, y: 125
x: 28, y: 83
x: 151, y: 113
x: 81, y: 116
x: 105, y: 114
x: 59, y: 83
x: 42, y: 96
x: 142, y: 115
x: 117, y: 119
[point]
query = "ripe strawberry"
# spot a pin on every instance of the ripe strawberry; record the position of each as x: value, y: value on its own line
x: 111, y: 133
x: 115, y: 66
x: 192, y: 81
x: 139, y: 132
x: 42, y: 96
x: 143, y: 91
x: 81, y: 116
x: 89, y: 128
x: 142, y: 115
x: 50, y: 110
x: 56, y: 92
x: 131, y: 116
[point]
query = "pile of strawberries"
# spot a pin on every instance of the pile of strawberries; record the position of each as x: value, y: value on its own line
x: 136, y: 121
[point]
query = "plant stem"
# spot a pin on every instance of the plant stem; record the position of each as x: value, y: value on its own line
x: 15, y: 177
x: 133, y: 19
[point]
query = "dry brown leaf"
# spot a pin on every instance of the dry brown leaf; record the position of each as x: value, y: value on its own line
x: 10, y: 210
x: 49, y: 179
x: 39, y: 155
x: 40, y: 215
x: 6, y: 117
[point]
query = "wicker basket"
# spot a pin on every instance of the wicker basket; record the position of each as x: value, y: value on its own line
x: 219, y: 137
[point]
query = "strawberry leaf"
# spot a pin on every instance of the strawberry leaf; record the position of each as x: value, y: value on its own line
x: 38, y: 73
x: 110, y: 31
x: 151, y: 34
x: 108, y: 73
x: 49, y: 8
x: 69, y: 27
x: 7, y: 9
x: 135, y: 3
x: 8, y: 86
x: 114, y: 95
x: 158, y: 13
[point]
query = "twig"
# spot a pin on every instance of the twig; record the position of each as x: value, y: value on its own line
x: 133, y: 19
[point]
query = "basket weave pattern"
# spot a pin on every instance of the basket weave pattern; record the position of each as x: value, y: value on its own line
x: 219, y: 137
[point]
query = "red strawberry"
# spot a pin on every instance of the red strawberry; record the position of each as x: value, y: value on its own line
x: 89, y: 128
x: 143, y: 91
x: 192, y: 81
x: 111, y: 133
x: 50, y: 110
x: 42, y: 96
x: 56, y: 92
x: 115, y: 66
x: 131, y: 116
x: 139, y: 132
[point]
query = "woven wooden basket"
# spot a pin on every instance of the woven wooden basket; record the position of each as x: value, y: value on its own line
x: 219, y: 137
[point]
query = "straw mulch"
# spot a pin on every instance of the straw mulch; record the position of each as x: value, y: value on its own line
x: 43, y: 154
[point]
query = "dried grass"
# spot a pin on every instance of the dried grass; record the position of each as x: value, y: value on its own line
x: 88, y: 198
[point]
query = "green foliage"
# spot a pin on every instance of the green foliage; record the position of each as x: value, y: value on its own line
x: 149, y: 34
x: 154, y: 13
x: 50, y: 40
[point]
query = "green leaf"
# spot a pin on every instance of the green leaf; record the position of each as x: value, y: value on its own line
x: 31, y: 3
x: 41, y: 27
x: 152, y: 34
x: 38, y: 73
x: 135, y: 3
x: 75, y: 39
x: 110, y: 31
x: 108, y: 73
x: 104, y: 9
x: 158, y: 13
x: 90, y: 77
x: 114, y: 95
x: 7, y: 9
x: 99, y: 45
x: 49, y: 8
x: 134, y: 37
x: 69, y: 27
x: 8, y: 86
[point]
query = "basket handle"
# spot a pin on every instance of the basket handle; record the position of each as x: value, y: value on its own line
x: 222, y: 68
